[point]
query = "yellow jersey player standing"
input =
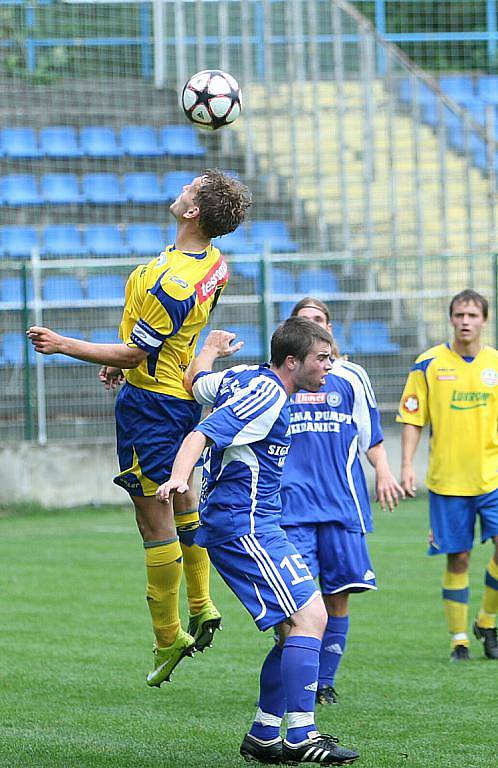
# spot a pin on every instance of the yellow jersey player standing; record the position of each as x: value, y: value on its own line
x: 454, y: 389
x: 167, y: 304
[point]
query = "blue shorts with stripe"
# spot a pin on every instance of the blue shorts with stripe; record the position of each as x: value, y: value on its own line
x: 339, y: 557
x: 453, y: 520
x: 267, y: 574
x: 150, y: 428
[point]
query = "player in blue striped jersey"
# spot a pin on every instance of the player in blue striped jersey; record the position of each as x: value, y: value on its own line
x: 248, y: 437
x: 325, y: 502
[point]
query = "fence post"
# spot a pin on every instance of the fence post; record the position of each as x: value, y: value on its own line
x: 28, y: 411
x: 491, y: 28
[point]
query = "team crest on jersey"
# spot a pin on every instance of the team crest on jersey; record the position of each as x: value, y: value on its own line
x: 411, y: 404
x: 489, y: 377
x: 179, y: 281
x: 218, y: 275
x: 334, y: 399
x: 309, y: 397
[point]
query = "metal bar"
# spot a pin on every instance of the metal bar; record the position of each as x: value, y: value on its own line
x: 159, y: 31
x: 314, y: 64
x: 442, y: 176
x: 247, y: 77
x: 145, y: 36
x: 367, y: 79
x: 41, y: 404
x: 293, y: 108
x: 180, y: 47
x: 419, y: 217
x: 200, y: 48
x: 341, y: 116
x: 28, y: 412
x: 492, y: 29
x: 393, y: 186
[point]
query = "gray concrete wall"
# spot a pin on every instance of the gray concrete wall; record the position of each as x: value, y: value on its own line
x: 71, y: 474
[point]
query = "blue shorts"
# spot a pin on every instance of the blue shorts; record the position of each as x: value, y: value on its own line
x: 150, y: 428
x: 339, y: 557
x: 267, y: 574
x: 453, y: 520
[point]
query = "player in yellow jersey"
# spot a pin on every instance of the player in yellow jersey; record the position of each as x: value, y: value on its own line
x: 167, y: 304
x: 454, y: 389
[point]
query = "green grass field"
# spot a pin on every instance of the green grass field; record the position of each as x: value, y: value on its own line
x: 75, y: 645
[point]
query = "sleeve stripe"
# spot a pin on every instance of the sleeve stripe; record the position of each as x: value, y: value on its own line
x: 249, y: 405
x: 263, y: 403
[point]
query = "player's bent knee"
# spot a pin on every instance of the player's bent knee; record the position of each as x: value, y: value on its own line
x: 312, y: 618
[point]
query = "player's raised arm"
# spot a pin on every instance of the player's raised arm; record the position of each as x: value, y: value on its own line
x: 48, y: 342
x: 217, y: 344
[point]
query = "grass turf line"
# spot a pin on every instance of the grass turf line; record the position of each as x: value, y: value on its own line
x: 75, y: 646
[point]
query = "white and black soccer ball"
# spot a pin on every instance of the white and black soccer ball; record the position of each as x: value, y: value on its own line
x: 212, y: 99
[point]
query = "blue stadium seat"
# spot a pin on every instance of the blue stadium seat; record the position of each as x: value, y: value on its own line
x: 431, y: 115
x: 487, y: 89
x: 104, y: 336
x: 180, y: 141
x: 18, y: 242
x: 19, y: 142
x: 458, y: 87
x: 61, y: 189
x: 282, y: 280
x: 425, y: 94
x: 340, y: 337
x: 480, y: 156
x: 250, y: 334
x: 170, y: 234
x: 145, y: 239
x: 102, y: 189
x: 11, y: 290
x: 14, y: 349
x: 371, y: 337
x: 273, y: 234
x: 456, y: 138
x: 60, y: 141
x: 105, y: 240
x: 62, y: 240
x: 99, y: 141
x: 19, y: 189
x: 174, y: 181
x: 236, y: 242
x: 103, y: 287
x: 317, y: 281
x: 62, y: 288
x: 140, y: 141
x: 143, y: 188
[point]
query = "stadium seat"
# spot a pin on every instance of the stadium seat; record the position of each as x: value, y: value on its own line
x: 170, y: 234
x: 140, y: 141
x: 371, y: 337
x: 425, y: 94
x: 456, y: 138
x: 431, y: 114
x: 274, y: 235
x: 143, y: 188
x: 62, y: 288
x: 59, y: 141
x: 180, y: 141
x: 19, y: 142
x: 19, y: 189
x: 480, y: 156
x: 487, y: 89
x: 104, y: 336
x: 317, y: 281
x: 250, y: 334
x: 101, y: 287
x: 99, y: 141
x: 145, y: 239
x: 11, y: 290
x: 102, y: 189
x: 236, y: 242
x: 458, y: 87
x: 105, y: 240
x: 282, y: 280
x: 340, y: 337
x: 18, y: 242
x: 61, y: 189
x: 173, y: 183
x: 14, y: 346
x: 62, y: 240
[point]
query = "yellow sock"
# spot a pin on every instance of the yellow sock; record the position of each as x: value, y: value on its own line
x: 456, y: 605
x: 163, y: 560
x: 489, y: 608
x: 196, y: 565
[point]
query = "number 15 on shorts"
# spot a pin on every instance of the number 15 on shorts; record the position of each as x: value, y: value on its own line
x: 297, y: 568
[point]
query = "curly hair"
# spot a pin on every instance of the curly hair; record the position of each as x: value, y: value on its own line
x: 223, y: 202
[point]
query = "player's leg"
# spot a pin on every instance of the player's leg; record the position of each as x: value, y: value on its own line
x: 485, y: 624
x: 345, y: 567
x: 456, y: 603
x: 204, y: 618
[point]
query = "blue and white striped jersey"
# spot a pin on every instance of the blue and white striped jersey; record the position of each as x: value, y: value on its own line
x: 323, y: 480
x: 249, y: 430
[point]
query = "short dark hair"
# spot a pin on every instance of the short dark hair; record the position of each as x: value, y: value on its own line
x: 223, y: 202
x: 296, y: 336
x: 469, y: 295
x: 312, y: 303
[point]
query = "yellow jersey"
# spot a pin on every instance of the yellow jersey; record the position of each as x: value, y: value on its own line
x: 459, y: 399
x: 167, y: 304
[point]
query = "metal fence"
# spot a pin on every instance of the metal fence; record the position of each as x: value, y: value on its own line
x: 374, y: 182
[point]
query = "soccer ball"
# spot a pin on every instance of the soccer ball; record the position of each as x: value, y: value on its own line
x: 212, y: 99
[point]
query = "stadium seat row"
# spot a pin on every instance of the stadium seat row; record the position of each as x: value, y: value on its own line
x: 458, y: 87
x: 64, y: 141
x: 97, y: 188
x: 141, y: 239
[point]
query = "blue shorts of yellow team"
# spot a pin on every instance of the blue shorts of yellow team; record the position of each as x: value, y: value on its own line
x: 453, y: 520
x: 150, y: 428
x: 337, y: 556
x: 267, y: 574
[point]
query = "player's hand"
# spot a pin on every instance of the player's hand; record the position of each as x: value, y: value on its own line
x: 44, y: 340
x: 388, y: 491
x: 111, y: 377
x: 173, y: 485
x: 220, y: 342
x: 409, y: 481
